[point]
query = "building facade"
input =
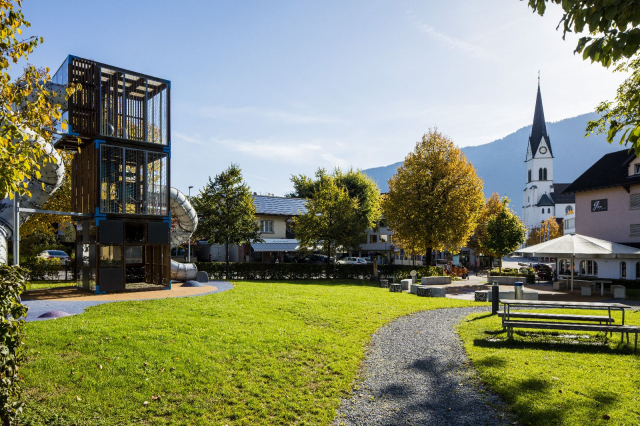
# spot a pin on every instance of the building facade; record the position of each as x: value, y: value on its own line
x: 542, y: 197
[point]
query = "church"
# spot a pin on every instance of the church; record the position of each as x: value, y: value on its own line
x: 542, y: 196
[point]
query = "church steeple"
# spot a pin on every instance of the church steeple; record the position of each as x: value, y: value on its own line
x: 539, y: 128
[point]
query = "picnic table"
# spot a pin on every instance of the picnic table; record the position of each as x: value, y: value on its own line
x: 512, y: 318
x: 595, y: 283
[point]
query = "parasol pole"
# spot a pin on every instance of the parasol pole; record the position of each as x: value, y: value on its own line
x: 573, y: 262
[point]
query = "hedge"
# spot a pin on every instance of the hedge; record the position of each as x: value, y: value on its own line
x: 529, y: 273
x: 306, y: 271
x: 12, y: 284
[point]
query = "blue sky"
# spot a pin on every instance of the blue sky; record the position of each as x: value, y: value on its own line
x: 285, y: 87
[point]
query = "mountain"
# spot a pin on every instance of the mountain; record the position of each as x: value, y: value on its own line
x: 500, y: 163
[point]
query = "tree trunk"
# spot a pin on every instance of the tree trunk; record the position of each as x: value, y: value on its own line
x: 429, y: 253
x: 226, y: 257
x: 500, y: 267
x: 328, y: 272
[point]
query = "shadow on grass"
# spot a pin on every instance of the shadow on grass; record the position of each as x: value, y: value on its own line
x: 320, y: 282
x: 490, y: 361
x: 574, y: 346
x: 489, y: 315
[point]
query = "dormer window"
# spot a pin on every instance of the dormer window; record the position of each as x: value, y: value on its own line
x: 637, y: 169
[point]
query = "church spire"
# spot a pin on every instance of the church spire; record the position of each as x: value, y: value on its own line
x: 539, y: 128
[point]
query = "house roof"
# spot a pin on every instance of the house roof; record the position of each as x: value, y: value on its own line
x: 609, y: 171
x: 279, y: 206
x: 558, y: 197
x: 545, y: 200
x: 276, y: 245
x: 539, y: 128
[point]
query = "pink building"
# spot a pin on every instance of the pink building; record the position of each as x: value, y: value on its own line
x: 607, y: 200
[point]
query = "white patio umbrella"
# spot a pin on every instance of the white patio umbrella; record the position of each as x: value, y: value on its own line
x: 580, y: 246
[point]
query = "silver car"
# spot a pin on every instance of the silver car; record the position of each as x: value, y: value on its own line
x: 55, y: 254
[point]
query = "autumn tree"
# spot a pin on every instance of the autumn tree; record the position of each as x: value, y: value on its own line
x: 491, y: 208
x: 27, y: 108
x: 434, y: 198
x: 226, y: 210
x: 548, y: 230
x: 505, y: 233
x: 358, y: 186
x: 613, y: 38
x: 331, y: 221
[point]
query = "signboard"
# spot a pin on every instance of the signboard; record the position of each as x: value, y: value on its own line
x: 599, y: 205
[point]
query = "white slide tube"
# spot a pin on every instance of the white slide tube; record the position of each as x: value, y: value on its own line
x: 187, y: 221
x: 51, y: 177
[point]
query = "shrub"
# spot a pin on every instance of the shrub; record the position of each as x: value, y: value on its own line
x: 307, y: 271
x: 39, y: 269
x: 12, y: 284
x: 528, y: 273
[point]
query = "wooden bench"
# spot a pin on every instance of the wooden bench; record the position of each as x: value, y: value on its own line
x: 567, y: 317
x: 623, y: 329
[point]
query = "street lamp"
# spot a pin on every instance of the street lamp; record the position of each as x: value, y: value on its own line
x: 189, y: 241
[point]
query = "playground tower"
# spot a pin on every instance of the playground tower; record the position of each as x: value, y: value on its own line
x: 119, y: 126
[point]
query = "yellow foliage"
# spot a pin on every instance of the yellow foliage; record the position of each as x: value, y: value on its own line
x: 435, y: 198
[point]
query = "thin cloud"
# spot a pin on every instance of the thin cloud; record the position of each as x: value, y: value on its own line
x: 279, y: 116
x: 189, y: 139
x: 455, y: 43
x: 283, y: 152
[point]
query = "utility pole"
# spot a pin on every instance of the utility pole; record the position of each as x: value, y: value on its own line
x: 189, y: 241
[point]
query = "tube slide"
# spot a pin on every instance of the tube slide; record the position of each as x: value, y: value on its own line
x: 183, y: 211
x: 51, y: 177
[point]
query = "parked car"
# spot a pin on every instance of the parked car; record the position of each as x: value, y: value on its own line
x: 457, y: 270
x: 352, y: 261
x: 316, y: 258
x: 55, y: 254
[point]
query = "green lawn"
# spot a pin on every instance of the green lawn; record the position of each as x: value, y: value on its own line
x: 41, y: 285
x: 263, y: 353
x: 552, y: 378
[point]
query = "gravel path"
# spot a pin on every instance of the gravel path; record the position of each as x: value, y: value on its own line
x: 417, y: 373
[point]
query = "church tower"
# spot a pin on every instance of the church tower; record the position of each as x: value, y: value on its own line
x: 538, y: 199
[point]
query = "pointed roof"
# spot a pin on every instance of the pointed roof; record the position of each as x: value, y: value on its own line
x: 545, y: 201
x: 539, y: 128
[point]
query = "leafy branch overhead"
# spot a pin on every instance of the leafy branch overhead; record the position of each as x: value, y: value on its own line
x: 613, y: 39
x: 27, y: 111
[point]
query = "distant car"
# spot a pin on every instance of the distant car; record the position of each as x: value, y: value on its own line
x: 315, y: 258
x: 55, y: 254
x: 352, y: 261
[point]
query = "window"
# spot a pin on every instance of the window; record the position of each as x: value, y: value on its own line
x: 266, y: 226
x: 383, y: 238
x: 634, y: 201
x: 549, y: 210
x: 623, y: 269
x: 373, y: 238
x: 638, y: 169
x: 544, y: 174
x: 529, y: 176
x: 568, y: 210
x: 589, y: 267
x: 635, y: 229
x: 539, y: 174
x: 543, y: 210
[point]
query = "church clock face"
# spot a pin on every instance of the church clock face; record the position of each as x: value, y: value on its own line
x: 543, y: 150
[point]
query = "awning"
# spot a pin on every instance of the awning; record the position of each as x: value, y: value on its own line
x: 262, y: 247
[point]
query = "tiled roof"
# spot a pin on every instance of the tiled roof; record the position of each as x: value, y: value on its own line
x: 558, y: 197
x: 609, y: 171
x: 279, y: 206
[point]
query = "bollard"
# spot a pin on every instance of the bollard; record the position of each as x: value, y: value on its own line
x: 518, y: 290
x: 495, y: 298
